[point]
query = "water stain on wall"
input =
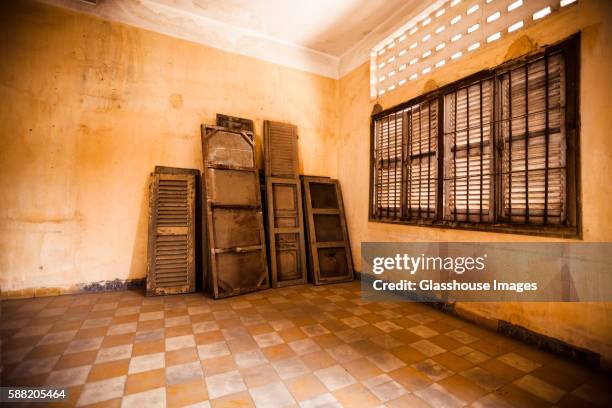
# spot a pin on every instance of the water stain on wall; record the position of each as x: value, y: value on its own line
x: 176, y: 101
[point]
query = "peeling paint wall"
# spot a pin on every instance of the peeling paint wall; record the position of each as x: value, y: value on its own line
x: 583, y: 325
x: 89, y: 107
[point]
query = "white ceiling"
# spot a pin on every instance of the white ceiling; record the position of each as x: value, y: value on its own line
x: 328, y: 26
x: 310, y: 35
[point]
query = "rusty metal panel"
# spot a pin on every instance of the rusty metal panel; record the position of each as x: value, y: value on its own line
x: 281, y: 149
x: 235, y: 232
x: 171, y: 246
x: 330, y: 251
x: 286, y: 231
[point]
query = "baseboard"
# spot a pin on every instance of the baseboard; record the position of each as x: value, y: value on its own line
x: 550, y: 344
x: 90, y: 287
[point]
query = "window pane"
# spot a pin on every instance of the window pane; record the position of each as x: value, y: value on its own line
x: 388, y: 166
x: 421, y: 166
x: 533, y: 132
x: 468, y: 129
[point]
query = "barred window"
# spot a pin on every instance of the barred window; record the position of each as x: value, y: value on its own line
x: 494, y: 151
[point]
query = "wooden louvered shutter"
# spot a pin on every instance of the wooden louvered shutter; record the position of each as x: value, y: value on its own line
x: 387, y: 198
x: 534, y: 142
x: 281, y: 149
x: 421, y: 164
x: 468, y: 164
x: 284, y: 205
x: 171, y: 249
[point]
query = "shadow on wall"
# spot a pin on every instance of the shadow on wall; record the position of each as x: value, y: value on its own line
x: 138, y: 264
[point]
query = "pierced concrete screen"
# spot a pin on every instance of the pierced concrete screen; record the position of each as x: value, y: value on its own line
x: 450, y: 33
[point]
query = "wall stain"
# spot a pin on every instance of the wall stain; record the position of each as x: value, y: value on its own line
x: 430, y: 86
x: 522, y: 46
x: 176, y: 100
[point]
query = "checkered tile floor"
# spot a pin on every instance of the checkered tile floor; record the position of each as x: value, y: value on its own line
x: 301, y: 346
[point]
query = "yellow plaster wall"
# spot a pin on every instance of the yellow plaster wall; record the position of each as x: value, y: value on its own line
x: 584, y: 325
x: 89, y: 107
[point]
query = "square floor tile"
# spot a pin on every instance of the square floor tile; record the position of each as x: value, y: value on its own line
x: 224, y: 384
x: 540, y: 388
x: 77, y: 346
x: 483, y: 378
x: 272, y: 395
x: 146, y: 362
x: 384, y: 387
x: 182, y: 373
x: 432, y: 369
x: 107, y: 354
x: 213, y: 350
x: 145, y: 381
x: 386, y: 361
x: 304, y: 346
x: 305, y: 387
x: 322, y: 401
x: 68, y: 377
x: 102, y: 391
x: 268, y: 339
x: 437, y: 396
x: 155, y: 398
x: 179, y: 342
x: 344, y: 353
x: 427, y: 348
x: 249, y: 359
x: 314, y: 330
x: 335, y: 377
x: 519, y: 362
x: 34, y: 367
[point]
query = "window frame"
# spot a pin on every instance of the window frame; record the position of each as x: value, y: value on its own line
x: 572, y: 228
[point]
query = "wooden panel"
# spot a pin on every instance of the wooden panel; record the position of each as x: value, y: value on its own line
x: 281, y: 149
x: 330, y: 251
x: 284, y: 204
x: 235, y: 232
x: 171, y: 248
x: 286, y: 231
x: 234, y: 123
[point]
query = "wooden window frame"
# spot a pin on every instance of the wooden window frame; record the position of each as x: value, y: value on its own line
x: 572, y: 228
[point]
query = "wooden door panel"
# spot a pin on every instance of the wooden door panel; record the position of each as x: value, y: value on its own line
x: 235, y: 234
x: 329, y: 247
x: 233, y: 187
x: 235, y: 227
x: 286, y: 232
x: 290, y: 263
